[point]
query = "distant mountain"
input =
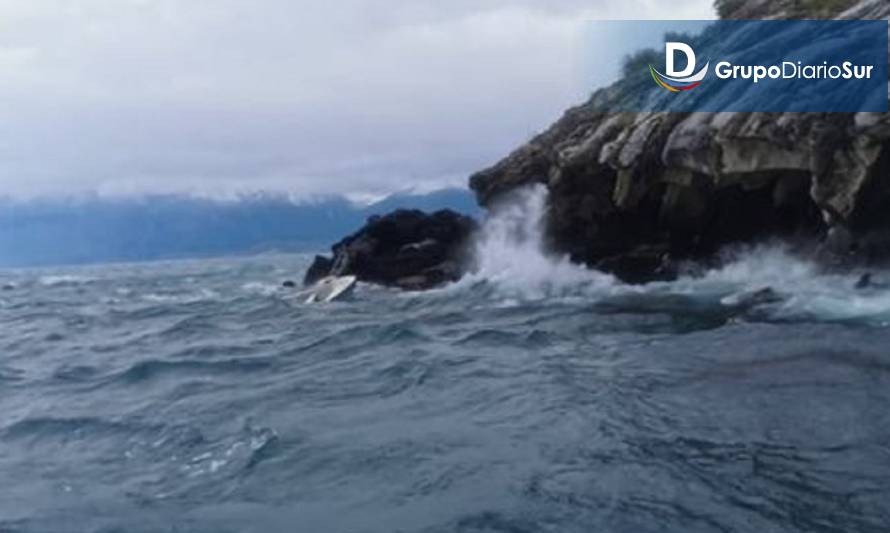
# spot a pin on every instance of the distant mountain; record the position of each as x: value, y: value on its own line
x: 460, y: 200
x: 100, y: 230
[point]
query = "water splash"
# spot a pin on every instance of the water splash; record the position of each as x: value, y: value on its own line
x: 805, y: 290
x: 512, y: 257
x: 514, y: 265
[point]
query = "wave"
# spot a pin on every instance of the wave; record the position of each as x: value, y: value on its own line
x: 764, y: 282
x: 38, y: 427
x: 801, y: 289
x: 152, y: 369
x: 263, y: 289
x: 233, y: 456
x: 11, y: 375
x: 512, y: 258
x: 64, y: 280
x: 200, y: 296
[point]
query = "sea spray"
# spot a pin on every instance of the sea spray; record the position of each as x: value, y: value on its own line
x: 807, y: 291
x: 514, y: 264
x: 513, y: 261
x: 511, y: 253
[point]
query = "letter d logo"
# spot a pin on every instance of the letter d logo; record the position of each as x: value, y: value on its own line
x: 671, y: 50
x: 681, y: 81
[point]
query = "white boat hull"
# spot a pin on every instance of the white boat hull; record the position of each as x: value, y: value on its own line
x: 329, y: 289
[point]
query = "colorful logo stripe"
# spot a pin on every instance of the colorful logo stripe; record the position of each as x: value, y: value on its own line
x: 671, y: 88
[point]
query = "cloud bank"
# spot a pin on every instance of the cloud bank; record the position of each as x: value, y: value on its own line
x: 219, y: 97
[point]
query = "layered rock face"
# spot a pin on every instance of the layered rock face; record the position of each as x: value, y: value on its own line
x: 632, y: 192
x: 408, y: 249
x: 759, y: 9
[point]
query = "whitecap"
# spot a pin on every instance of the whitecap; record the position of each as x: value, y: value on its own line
x: 67, y: 279
x: 263, y: 289
x: 187, y: 298
x: 804, y: 290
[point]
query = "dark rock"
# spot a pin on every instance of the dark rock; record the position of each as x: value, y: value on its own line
x: 628, y: 188
x: 639, y: 266
x: 289, y: 284
x: 869, y: 281
x: 321, y: 267
x: 839, y: 241
x: 864, y: 282
x: 8, y: 287
x: 408, y: 249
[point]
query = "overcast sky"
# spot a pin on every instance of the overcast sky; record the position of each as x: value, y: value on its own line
x: 219, y: 97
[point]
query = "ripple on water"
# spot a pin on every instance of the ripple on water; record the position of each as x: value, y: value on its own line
x: 150, y: 370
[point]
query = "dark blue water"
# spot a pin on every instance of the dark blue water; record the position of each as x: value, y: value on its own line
x: 192, y: 396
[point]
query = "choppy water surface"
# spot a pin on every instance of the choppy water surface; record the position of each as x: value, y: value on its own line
x: 532, y: 397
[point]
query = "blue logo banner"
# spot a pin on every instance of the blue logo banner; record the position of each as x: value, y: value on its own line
x: 743, y: 65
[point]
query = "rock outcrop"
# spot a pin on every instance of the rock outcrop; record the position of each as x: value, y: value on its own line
x: 632, y: 192
x: 321, y: 267
x: 407, y: 249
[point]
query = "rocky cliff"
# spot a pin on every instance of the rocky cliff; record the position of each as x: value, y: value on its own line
x: 407, y: 249
x: 632, y: 192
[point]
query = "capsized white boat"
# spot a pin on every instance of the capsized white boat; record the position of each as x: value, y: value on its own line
x: 329, y: 289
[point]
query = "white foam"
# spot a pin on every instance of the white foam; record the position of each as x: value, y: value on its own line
x: 808, y: 292
x: 513, y: 262
x: 511, y: 255
x: 52, y: 281
x: 263, y: 289
x: 186, y: 298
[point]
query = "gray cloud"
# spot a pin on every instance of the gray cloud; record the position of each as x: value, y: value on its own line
x: 225, y: 96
